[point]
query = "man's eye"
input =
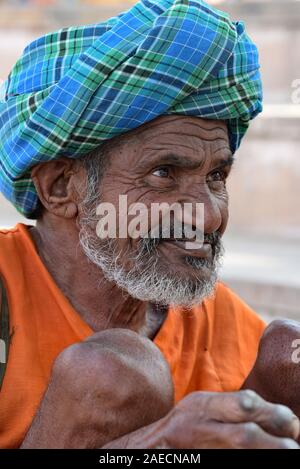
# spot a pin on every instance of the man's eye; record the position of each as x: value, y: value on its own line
x: 162, y: 172
x: 217, y: 176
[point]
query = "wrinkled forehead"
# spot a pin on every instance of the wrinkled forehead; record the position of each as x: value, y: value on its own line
x: 183, y: 126
x: 182, y: 141
x: 181, y: 132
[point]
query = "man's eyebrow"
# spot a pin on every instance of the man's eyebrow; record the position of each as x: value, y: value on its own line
x: 227, y: 161
x: 173, y: 159
x: 184, y: 162
x: 181, y: 161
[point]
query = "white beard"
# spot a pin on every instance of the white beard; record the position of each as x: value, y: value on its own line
x: 146, y: 281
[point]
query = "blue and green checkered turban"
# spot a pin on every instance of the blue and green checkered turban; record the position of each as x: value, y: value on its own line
x: 73, y: 89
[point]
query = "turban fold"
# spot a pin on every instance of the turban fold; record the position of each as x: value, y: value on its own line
x: 73, y: 89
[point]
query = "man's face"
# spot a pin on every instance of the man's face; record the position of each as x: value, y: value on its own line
x: 173, y: 159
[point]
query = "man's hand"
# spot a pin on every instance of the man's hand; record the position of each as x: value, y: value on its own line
x: 219, y: 420
x: 110, y: 385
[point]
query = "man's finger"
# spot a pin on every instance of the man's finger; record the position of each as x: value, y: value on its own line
x: 251, y: 436
x: 247, y: 406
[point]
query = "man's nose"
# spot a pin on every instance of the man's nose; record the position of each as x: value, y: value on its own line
x: 212, y: 216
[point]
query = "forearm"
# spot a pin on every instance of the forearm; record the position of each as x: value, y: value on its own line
x: 52, y: 431
x: 41, y: 436
x: 149, y: 437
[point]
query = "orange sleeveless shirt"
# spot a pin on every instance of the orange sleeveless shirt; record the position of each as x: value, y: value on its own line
x: 211, y: 348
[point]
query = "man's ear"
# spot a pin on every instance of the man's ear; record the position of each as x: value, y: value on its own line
x: 54, y: 183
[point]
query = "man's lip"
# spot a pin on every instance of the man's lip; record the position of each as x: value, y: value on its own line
x: 205, y: 251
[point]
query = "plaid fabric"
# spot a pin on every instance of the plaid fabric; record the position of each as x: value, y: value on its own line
x: 75, y: 88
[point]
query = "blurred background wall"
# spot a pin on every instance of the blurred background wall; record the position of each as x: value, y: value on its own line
x: 263, y: 240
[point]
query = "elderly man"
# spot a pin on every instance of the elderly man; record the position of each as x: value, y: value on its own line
x: 128, y: 342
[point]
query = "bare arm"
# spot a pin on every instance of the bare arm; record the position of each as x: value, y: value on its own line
x: 115, y: 391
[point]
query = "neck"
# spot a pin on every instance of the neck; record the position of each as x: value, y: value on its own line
x: 100, y: 303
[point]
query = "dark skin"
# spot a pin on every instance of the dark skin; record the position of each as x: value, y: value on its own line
x: 172, y: 159
x: 276, y: 372
x: 137, y: 170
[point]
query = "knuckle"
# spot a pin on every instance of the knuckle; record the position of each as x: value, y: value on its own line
x: 248, y: 434
x: 283, y: 416
x: 286, y: 443
x: 248, y: 400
